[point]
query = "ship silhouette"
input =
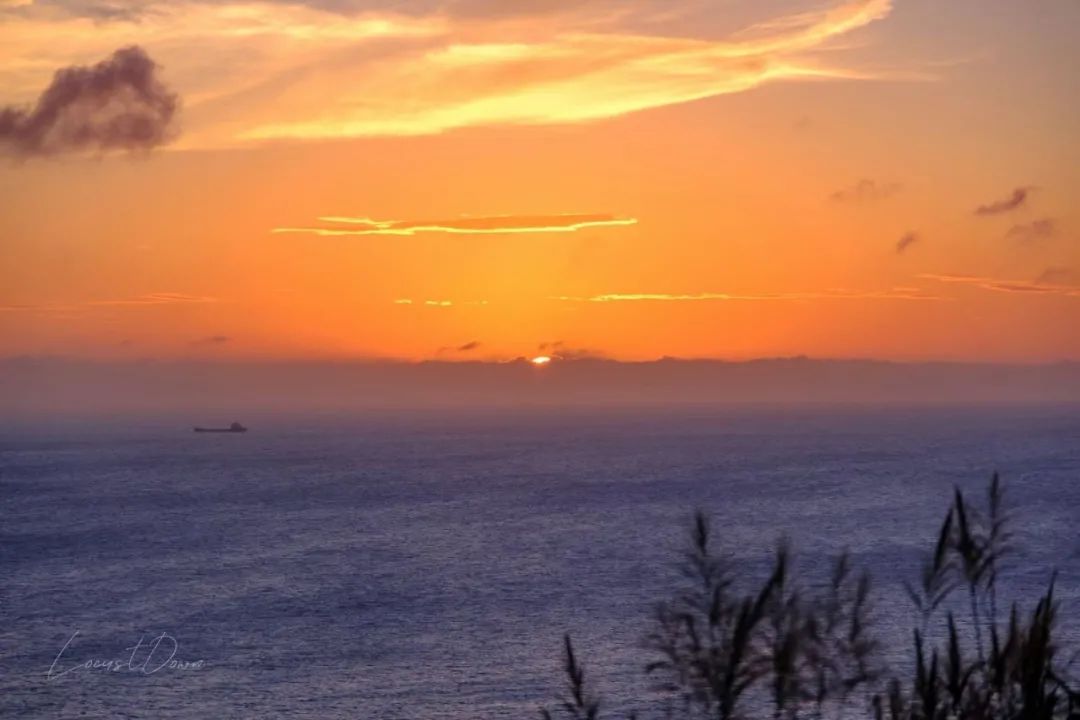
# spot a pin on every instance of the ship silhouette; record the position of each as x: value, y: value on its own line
x: 234, y: 428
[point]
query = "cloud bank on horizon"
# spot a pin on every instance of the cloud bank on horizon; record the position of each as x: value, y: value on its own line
x: 256, y: 71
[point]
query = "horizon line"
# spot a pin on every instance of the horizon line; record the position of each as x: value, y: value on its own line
x: 521, y: 360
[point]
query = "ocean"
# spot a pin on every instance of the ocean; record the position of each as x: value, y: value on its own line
x: 426, y: 565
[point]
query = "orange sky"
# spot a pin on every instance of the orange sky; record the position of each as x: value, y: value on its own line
x: 483, y: 180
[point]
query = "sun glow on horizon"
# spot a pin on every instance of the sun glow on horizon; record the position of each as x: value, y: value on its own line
x: 541, y: 360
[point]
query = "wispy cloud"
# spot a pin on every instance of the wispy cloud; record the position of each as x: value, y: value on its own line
x: 1026, y: 287
x: 252, y: 71
x: 906, y: 240
x: 866, y: 191
x: 1018, y: 197
x: 1032, y: 231
x: 896, y: 293
x: 494, y: 225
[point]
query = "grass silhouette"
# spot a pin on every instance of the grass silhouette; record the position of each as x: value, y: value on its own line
x: 790, y: 650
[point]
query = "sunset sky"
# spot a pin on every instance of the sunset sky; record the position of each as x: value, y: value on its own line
x: 487, y: 179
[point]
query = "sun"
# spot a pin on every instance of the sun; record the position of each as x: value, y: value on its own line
x: 540, y: 360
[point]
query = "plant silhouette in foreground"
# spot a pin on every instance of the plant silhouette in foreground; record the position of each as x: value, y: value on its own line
x: 790, y: 650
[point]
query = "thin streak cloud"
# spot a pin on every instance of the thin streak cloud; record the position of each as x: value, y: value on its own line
x: 898, y: 293
x: 438, y: 303
x: 150, y: 299
x: 157, y: 299
x: 1025, y: 287
x: 495, y: 225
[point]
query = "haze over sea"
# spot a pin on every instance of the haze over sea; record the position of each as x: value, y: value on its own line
x: 425, y: 565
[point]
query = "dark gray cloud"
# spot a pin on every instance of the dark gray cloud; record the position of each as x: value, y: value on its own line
x: 563, y: 351
x: 118, y: 104
x: 1018, y: 198
x: 865, y: 191
x: 907, y: 240
x: 463, y: 348
x: 1032, y: 231
x: 1056, y: 276
x: 213, y: 340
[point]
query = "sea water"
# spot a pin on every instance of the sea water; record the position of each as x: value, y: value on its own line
x: 426, y: 565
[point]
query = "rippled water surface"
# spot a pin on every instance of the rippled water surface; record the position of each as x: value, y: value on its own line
x: 426, y: 566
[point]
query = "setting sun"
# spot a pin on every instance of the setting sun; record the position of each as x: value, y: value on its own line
x: 541, y: 360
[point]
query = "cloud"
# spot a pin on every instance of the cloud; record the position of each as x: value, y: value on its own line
x: 896, y: 293
x: 1019, y: 197
x: 1008, y: 286
x: 1032, y: 231
x: 438, y: 303
x: 568, y: 77
x: 866, y: 191
x: 213, y: 340
x: 1056, y: 275
x: 906, y: 240
x: 483, y: 9
x: 496, y: 225
x: 256, y: 71
x: 117, y: 104
x: 564, y: 351
x: 161, y: 298
x: 464, y: 348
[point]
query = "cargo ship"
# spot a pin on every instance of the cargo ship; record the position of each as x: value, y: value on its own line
x: 234, y: 428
